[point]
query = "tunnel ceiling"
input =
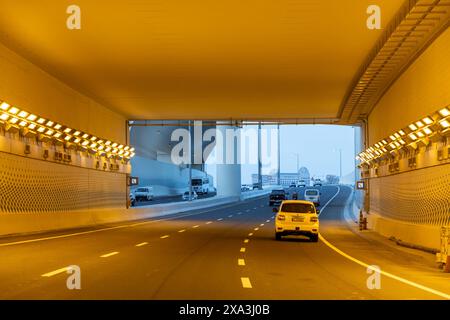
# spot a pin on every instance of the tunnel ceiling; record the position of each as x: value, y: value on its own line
x: 201, y: 59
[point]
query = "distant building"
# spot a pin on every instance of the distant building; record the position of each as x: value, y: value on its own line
x: 286, y: 178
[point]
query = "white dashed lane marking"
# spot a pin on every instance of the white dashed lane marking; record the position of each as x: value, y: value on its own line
x: 242, y: 250
x: 142, y: 244
x: 54, y: 273
x: 246, y: 284
x: 241, y: 262
x: 107, y: 255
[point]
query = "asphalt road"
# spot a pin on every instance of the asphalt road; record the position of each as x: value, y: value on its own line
x: 225, y: 253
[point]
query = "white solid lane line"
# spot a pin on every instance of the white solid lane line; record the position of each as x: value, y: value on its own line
x: 332, y: 198
x: 241, y: 262
x: 54, y: 273
x: 246, y: 284
x: 142, y: 244
x: 387, y: 274
x: 107, y: 255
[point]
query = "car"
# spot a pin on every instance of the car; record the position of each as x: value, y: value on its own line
x: 297, y: 217
x: 257, y: 186
x: 277, y: 196
x: 313, y: 195
x: 293, y: 185
x: 186, y: 195
x: 132, y: 199
x: 317, y: 183
x: 143, y: 193
x: 301, y: 184
x: 245, y: 188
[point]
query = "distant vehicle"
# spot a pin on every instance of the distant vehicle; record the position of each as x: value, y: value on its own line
x: 144, y: 193
x: 257, y: 186
x: 301, y: 184
x: 297, y: 217
x: 277, y: 196
x: 201, y: 185
x: 317, y: 183
x: 245, y: 188
x: 293, y: 185
x: 186, y: 195
x: 132, y: 199
x: 313, y: 195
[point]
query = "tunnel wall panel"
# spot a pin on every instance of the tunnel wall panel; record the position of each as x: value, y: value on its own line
x: 29, y: 87
x: 34, y: 186
x: 414, y: 202
x: 421, y: 90
x: 416, y: 197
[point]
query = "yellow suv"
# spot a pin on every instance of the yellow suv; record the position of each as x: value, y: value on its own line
x: 297, y: 217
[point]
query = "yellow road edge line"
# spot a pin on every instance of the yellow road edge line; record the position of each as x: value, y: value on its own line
x: 107, y: 255
x: 246, y: 284
x: 54, y: 273
x: 387, y: 274
x: 142, y: 244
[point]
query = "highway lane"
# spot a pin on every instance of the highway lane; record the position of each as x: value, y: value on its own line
x: 226, y: 253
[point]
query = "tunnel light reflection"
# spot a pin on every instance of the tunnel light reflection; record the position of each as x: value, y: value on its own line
x: 49, y: 130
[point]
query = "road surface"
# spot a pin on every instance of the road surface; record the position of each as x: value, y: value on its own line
x: 223, y: 253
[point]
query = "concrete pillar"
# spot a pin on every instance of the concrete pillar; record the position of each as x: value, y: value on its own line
x: 229, y: 172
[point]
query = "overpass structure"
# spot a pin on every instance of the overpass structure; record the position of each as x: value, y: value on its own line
x: 69, y: 95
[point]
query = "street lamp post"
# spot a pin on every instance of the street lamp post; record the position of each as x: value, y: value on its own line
x: 298, y: 165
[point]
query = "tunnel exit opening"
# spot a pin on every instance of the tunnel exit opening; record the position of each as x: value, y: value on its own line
x: 191, y: 160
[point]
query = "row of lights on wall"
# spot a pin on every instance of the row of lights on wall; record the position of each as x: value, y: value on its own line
x: 45, y: 130
x: 431, y: 128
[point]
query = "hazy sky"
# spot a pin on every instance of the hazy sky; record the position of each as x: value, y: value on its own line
x: 318, y: 148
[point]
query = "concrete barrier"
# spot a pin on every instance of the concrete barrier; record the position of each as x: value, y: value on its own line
x: 420, y: 235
